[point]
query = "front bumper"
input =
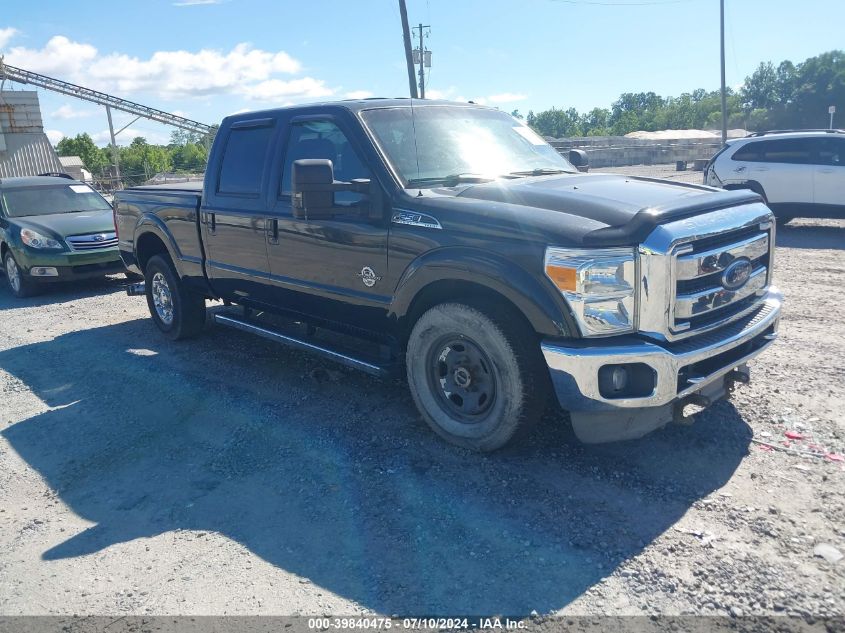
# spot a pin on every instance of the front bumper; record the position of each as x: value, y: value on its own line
x: 69, y: 265
x: 680, y: 369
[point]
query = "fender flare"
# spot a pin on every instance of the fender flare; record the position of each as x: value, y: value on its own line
x: 540, y: 303
x: 153, y: 224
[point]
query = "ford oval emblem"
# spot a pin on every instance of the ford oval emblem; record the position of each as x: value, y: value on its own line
x: 737, y: 274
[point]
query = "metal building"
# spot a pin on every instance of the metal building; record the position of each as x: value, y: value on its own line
x: 24, y: 148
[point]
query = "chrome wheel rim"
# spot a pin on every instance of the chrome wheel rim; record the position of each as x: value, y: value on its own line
x: 162, y: 299
x: 14, y: 274
x: 463, y: 379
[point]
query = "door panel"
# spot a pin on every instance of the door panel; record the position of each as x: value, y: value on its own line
x: 236, y: 252
x: 322, y: 267
x: 830, y: 173
x: 234, y: 220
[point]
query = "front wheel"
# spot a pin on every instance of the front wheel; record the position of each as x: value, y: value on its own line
x: 176, y: 311
x: 20, y: 285
x: 476, y: 379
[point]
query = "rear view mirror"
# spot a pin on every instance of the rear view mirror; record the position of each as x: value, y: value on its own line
x: 578, y: 158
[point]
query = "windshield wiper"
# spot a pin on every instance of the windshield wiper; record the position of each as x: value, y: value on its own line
x: 450, y: 181
x: 540, y: 171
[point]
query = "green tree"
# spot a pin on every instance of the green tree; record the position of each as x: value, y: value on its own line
x: 94, y: 158
x: 140, y: 161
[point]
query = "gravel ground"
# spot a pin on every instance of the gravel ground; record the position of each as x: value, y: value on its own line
x: 226, y: 475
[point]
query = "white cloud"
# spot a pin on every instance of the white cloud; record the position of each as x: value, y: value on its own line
x: 60, y: 56
x: 507, y: 97
x: 69, y: 112
x: 243, y: 70
x: 6, y: 35
x: 194, y: 3
x: 54, y: 136
x: 276, y: 89
x: 434, y: 93
x: 128, y: 135
x: 359, y: 94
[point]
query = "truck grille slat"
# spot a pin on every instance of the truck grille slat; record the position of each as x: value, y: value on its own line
x: 701, y: 301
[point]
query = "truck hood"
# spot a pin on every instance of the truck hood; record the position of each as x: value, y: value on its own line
x: 606, y: 208
x: 61, y: 225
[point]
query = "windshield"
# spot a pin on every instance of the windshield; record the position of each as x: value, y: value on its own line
x: 41, y: 200
x: 454, y: 142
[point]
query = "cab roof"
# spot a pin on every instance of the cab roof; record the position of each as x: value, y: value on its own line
x: 357, y: 105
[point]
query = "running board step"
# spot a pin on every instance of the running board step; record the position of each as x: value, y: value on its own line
x: 266, y: 331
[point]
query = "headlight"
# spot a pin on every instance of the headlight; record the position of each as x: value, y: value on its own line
x: 599, y: 286
x: 33, y: 239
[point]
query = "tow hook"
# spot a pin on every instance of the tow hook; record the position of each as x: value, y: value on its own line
x: 739, y: 375
x: 686, y: 409
x: 136, y: 290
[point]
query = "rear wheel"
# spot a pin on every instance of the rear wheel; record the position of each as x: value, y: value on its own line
x: 176, y: 311
x: 476, y: 379
x: 20, y: 285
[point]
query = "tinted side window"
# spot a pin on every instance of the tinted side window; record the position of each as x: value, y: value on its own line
x: 244, y: 160
x: 831, y: 152
x: 796, y: 151
x: 323, y: 139
x: 748, y: 152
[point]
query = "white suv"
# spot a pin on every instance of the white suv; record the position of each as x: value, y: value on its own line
x: 799, y: 173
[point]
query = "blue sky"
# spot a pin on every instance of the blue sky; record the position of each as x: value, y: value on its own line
x: 208, y: 58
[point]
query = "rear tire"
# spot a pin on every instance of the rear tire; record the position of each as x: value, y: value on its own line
x: 476, y: 379
x: 20, y: 285
x: 176, y: 311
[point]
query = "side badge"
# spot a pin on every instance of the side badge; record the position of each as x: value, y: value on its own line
x: 368, y: 277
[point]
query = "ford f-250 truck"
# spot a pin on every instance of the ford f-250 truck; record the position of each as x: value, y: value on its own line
x: 451, y: 242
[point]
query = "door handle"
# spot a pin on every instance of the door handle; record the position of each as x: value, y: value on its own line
x: 826, y: 171
x: 273, y: 232
x: 213, y: 222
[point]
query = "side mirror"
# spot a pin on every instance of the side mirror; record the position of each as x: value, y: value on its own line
x: 578, y: 158
x: 313, y: 194
x: 314, y: 187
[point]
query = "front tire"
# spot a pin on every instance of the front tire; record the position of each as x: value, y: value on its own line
x: 176, y: 311
x: 476, y: 379
x: 20, y: 285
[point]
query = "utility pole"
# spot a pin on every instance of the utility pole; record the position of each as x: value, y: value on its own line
x: 409, y: 59
x: 422, y: 58
x: 724, y: 91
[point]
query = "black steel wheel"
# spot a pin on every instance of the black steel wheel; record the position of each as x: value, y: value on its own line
x: 476, y: 378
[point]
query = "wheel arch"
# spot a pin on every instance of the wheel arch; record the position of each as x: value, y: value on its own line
x: 464, y: 276
x: 753, y: 185
x: 151, y: 240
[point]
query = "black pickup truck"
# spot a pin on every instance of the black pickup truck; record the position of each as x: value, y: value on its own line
x: 450, y: 242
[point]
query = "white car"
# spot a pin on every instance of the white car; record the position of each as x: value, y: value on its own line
x: 799, y: 173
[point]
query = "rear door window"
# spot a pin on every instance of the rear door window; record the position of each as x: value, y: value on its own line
x: 831, y: 152
x: 245, y: 158
x: 794, y: 151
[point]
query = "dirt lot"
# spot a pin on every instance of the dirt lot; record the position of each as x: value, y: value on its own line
x: 227, y: 476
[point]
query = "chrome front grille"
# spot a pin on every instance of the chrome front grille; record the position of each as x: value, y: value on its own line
x: 92, y: 241
x: 686, y: 267
x: 702, y: 300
